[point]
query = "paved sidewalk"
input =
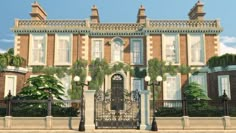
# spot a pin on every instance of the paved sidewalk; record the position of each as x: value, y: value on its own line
x: 117, y: 131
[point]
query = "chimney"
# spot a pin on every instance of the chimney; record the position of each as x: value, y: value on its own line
x: 37, y: 12
x: 141, y: 17
x: 95, y: 15
x: 197, y: 13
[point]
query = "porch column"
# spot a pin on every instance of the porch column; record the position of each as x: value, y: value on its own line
x: 89, y: 109
x: 145, y: 110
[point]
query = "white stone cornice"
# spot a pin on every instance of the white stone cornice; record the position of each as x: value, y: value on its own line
x: 15, y: 69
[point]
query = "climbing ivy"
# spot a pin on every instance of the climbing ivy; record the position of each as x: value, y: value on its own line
x: 222, y: 61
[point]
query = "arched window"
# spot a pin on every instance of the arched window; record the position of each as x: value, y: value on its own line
x: 117, y: 49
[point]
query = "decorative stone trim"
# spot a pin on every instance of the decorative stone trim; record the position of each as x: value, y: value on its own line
x: 118, y: 29
x: 16, y: 45
x: 217, y: 44
x: 16, y: 69
x: 149, y: 48
x: 85, y: 47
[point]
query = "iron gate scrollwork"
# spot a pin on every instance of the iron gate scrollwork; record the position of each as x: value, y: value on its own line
x: 117, y: 112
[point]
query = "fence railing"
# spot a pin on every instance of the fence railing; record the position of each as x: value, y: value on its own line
x: 194, y: 108
x: 40, y: 108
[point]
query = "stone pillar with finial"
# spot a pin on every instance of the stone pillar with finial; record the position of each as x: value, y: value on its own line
x: 141, y: 17
x: 197, y: 12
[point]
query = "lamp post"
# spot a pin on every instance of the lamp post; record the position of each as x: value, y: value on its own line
x: 158, y: 79
x: 77, y: 79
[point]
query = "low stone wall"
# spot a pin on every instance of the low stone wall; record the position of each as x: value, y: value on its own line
x: 164, y: 123
x: 196, y: 123
x: 29, y: 123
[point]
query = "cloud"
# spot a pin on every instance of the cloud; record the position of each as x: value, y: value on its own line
x: 227, y: 45
x: 7, y: 40
x: 228, y: 39
x: 2, y: 51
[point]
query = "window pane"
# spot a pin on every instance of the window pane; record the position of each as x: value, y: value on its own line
x: 172, y: 89
x: 117, y: 51
x: 137, y: 52
x: 137, y: 84
x: 63, y: 49
x: 196, y: 49
x: 10, y: 85
x: 224, y: 84
x: 38, y: 49
x: 171, y: 50
x: 97, y: 49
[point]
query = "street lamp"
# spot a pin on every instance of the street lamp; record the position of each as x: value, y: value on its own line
x: 158, y: 79
x: 77, y: 79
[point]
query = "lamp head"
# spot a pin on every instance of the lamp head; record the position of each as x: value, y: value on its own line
x: 159, y: 78
x: 147, y: 78
x: 76, y: 78
x: 88, y: 78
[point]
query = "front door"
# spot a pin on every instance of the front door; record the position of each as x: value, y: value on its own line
x: 117, y: 94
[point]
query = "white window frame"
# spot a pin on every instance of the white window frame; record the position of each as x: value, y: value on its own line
x: 31, y: 62
x: 93, y: 40
x: 6, y: 91
x: 178, y: 85
x: 164, y: 40
x: 220, y: 89
x: 112, y: 50
x: 203, y: 53
x: 57, y: 37
x: 132, y: 51
x: 203, y: 86
x: 132, y: 83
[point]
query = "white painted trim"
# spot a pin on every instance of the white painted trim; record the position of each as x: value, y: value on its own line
x: 164, y: 47
x: 92, y: 47
x: 57, y: 36
x: 189, y: 49
x: 6, y: 90
x: 141, y: 50
x: 30, y: 63
x: 16, y: 69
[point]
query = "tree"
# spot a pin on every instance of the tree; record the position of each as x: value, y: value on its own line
x: 98, y: 69
x: 193, y: 91
x: 79, y: 69
x: 195, y: 96
x: 41, y: 88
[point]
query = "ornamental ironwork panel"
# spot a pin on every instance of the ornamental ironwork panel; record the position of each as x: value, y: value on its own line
x: 120, y: 111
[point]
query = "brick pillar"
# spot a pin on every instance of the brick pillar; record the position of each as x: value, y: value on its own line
x: 89, y: 109
x: 145, y: 110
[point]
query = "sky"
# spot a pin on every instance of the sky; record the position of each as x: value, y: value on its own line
x: 120, y: 11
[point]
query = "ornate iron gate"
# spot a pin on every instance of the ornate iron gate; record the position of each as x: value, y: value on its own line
x: 117, y: 111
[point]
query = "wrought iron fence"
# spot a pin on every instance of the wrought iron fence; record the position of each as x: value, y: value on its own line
x: 39, y: 108
x: 194, y: 108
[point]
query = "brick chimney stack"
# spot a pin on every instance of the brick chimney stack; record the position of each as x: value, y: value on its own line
x: 197, y: 12
x: 95, y: 15
x: 37, y: 12
x: 141, y: 17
